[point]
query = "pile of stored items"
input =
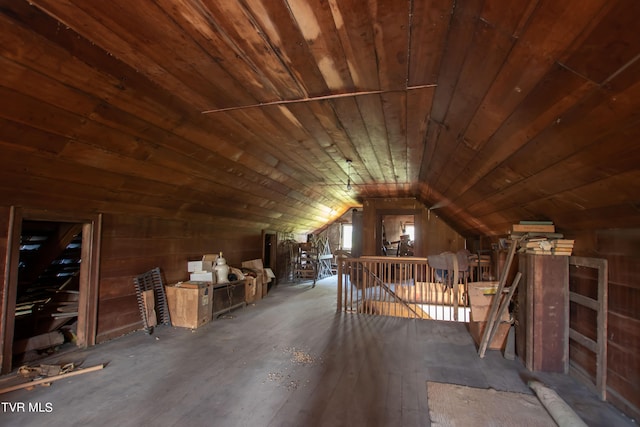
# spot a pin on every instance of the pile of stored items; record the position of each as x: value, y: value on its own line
x: 213, y: 269
x: 540, y: 238
x: 213, y: 288
x: 490, y: 320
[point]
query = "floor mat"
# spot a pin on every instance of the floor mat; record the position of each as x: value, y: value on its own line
x: 455, y: 405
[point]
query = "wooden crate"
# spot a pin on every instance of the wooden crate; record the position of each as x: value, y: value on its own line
x: 190, y: 304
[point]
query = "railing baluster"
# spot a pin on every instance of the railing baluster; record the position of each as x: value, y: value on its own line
x: 405, y: 287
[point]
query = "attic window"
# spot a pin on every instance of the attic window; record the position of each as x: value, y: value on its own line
x: 410, y: 229
x: 347, y: 232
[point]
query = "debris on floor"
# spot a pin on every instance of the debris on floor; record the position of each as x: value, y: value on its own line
x: 300, y: 357
x: 44, y: 375
x: 297, y: 357
x: 44, y: 370
x: 275, y: 376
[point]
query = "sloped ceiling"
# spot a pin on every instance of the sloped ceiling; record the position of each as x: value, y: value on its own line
x: 246, y: 111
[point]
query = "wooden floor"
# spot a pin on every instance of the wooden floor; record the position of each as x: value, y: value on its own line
x: 289, y: 360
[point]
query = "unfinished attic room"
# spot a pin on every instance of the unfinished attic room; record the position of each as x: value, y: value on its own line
x: 320, y: 213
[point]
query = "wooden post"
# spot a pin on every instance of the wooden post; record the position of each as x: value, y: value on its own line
x: 339, y: 297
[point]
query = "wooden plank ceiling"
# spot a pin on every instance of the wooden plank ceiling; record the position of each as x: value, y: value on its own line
x: 488, y: 111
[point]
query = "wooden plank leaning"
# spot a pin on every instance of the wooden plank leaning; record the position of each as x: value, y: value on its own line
x: 47, y: 380
x: 491, y: 318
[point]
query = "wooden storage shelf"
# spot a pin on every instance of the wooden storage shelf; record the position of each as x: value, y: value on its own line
x: 542, y: 327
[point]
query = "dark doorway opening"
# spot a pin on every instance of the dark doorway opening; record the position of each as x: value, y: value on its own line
x: 269, y: 254
x: 48, y: 289
x: 66, y: 272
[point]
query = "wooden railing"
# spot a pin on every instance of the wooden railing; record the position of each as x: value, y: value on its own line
x: 401, y: 287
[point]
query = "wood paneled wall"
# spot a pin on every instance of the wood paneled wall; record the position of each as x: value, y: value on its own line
x: 132, y: 245
x: 621, y: 248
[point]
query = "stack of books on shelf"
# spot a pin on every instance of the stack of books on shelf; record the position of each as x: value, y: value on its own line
x: 562, y: 247
x: 540, y: 238
x: 544, y: 246
x: 536, y: 246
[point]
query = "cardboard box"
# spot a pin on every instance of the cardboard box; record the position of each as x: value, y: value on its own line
x: 481, y: 302
x: 190, y: 303
x: 261, y: 279
x: 250, y: 290
x: 476, y: 329
x: 195, y: 266
x: 209, y: 262
x: 203, y: 276
x: 268, y: 273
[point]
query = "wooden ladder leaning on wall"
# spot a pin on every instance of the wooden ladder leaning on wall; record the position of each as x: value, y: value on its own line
x: 500, y: 304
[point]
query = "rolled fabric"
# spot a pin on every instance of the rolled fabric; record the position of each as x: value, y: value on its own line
x: 559, y: 410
